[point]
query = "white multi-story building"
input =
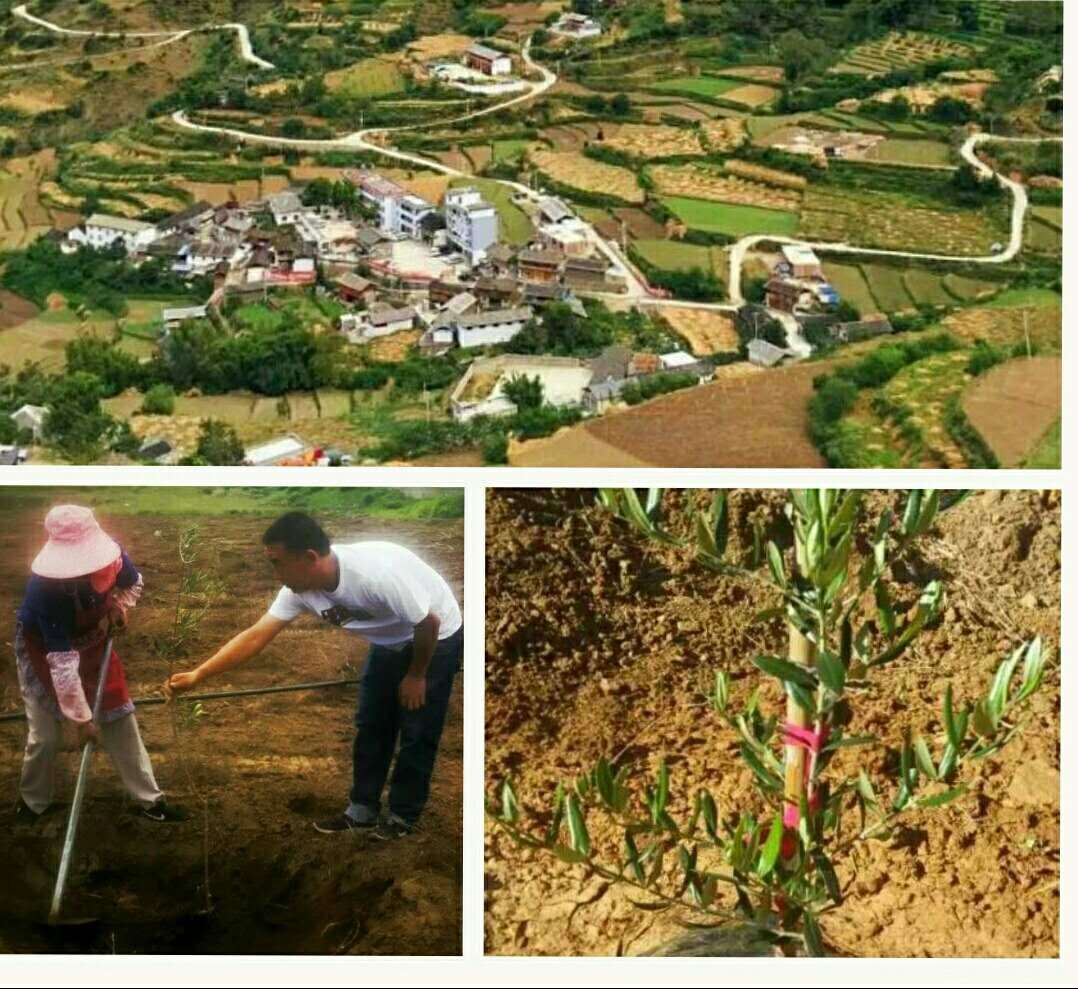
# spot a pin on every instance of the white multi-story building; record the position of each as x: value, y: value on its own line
x: 471, y: 222
x: 399, y: 212
x: 411, y: 211
x: 101, y: 231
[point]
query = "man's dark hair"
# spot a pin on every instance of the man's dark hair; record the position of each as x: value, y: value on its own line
x: 297, y: 532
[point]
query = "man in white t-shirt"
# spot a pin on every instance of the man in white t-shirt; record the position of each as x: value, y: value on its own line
x: 408, y: 613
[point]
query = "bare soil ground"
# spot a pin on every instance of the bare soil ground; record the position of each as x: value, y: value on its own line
x: 598, y: 644
x: 740, y: 420
x: 266, y: 765
x: 1014, y: 403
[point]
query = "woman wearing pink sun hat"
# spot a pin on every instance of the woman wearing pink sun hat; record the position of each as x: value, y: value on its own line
x: 82, y: 585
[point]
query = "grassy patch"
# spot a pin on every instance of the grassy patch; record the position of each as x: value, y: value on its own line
x: 967, y: 289
x: 731, y: 219
x: 926, y: 288
x: 887, y: 287
x: 1048, y: 453
x: 850, y: 283
x: 508, y: 150
x: 269, y: 502
x: 371, y: 77
x: 706, y: 86
x: 908, y: 151
x: 1016, y: 298
x: 674, y: 255
x: 515, y: 226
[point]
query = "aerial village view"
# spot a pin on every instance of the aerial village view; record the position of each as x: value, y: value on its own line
x: 677, y: 233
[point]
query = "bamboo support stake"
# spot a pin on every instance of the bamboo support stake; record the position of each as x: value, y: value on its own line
x: 802, y: 653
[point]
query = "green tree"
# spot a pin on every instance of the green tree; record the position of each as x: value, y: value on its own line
x: 218, y: 445
x: 77, y: 426
x: 523, y: 391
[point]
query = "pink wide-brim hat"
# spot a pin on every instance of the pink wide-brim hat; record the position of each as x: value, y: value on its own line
x: 77, y: 545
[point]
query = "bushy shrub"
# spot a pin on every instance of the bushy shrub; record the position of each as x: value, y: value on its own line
x: 159, y: 400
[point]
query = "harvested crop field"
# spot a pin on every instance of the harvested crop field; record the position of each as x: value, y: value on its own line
x: 439, y: 46
x: 1007, y: 326
x: 885, y: 220
x: 747, y: 418
x: 1013, y: 405
x: 651, y: 140
x: 705, y: 331
x: 14, y: 310
x: 265, y: 766
x: 724, y: 134
x: 580, y: 172
x: 601, y: 644
x: 700, y: 182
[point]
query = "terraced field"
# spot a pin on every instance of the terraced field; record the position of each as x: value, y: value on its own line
x: 900, y: 49
x: 580, y: 172
x: 849, y: 281
x: 1013, y: 405
x: 652, y: 140
x: 702, y: 182
x: 888, y: 220
x: 320, y: 420
x: 884, y: 288
x: 734, y: 219
x: 371, y: 77
x: 23, y: 215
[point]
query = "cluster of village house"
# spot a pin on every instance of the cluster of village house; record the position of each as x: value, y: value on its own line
x: 798, y: 286
x: 407, y: 264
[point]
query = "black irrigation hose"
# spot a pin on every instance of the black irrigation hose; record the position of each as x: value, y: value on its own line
x: 250, y: 692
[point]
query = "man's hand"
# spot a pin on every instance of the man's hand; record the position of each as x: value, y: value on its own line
x: 178, y: 683
x: 85, y: 731
x: 413, y: 692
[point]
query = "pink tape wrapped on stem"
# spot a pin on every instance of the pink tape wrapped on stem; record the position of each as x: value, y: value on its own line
x: 812, y: 741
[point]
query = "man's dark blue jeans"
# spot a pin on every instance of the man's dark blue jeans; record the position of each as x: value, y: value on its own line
x: 381, y: 721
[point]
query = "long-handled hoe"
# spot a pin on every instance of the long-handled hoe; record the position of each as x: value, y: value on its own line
x: 76, y: 808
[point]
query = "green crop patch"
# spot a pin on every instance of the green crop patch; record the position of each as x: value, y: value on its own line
x: 730, y: 219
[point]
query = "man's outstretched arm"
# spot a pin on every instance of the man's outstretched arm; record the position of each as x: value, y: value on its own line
x: 240, y: 648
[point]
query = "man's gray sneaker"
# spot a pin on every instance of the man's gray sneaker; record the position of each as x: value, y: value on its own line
x: 342, y: 823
